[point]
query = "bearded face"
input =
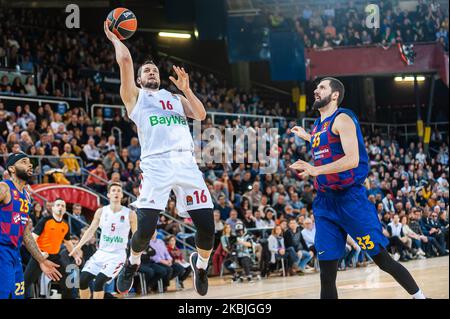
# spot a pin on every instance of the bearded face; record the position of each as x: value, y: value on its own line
x: 321, y: 102
x: 23, y: 170
x: 149, y: 77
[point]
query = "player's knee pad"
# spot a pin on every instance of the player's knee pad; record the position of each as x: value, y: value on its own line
x: 100, y: 282
x: 147, y: 221
x: 204, y: 222
x: 85, y: 279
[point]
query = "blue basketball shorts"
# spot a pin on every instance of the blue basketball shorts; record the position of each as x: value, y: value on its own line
x: 12, y: 284
x: 346, y: 212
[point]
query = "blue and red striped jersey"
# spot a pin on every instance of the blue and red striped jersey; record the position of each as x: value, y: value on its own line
x: 326, y: 148
x: 14, y: 216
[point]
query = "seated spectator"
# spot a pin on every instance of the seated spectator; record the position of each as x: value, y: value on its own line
x: 295, y: 244
x: 109, y: 160
x: 278, y: 249
x: 223, y: 255
x: 222, y: 206
x: 134, y: 150
x: 180, y: 266
x: 218, y: 228
x: 91, y: 151
x: 233, y: 220
x: 244, y: 247
x: 249, y: 220
x: 269, y: 217
x: 254, y: 195
x: 77, y: 221
x: 416, y: 239
x: 71, y: 165
x: 430, y: 228
x: 443, y: 225
x: 97, y: 179
x: 308, y: 233
x: 147, y: 267
x: 163, y: 261
x: 397, y: 239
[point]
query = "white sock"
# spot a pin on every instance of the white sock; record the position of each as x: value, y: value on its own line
x: 135, y: 259
x: 202, y: 263
x: 419, y: 295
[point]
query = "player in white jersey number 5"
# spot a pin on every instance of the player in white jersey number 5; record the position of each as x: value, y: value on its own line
x: 115, y: 222
x: 167, y: 161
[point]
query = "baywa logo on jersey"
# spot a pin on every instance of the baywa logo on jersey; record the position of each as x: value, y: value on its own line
x: 189, y: 200
x: 113, y: 239
x: 167, y: 120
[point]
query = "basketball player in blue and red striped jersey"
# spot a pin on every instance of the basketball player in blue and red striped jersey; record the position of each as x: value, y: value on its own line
x: 341, y: 206
x: 15, y: 228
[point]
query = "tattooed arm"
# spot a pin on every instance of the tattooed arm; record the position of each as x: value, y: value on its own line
x: 5, y: 195
x: 48, y: 267
x: 30, y: 244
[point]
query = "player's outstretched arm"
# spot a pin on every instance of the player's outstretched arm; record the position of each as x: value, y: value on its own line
x: 300, y: 132
x: 88, y: 233
x: 346, y: 129
x: 128, y: 89
x: 47, y: 267
x: 193, y: 107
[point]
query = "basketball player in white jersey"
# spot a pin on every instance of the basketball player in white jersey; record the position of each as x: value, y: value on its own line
x: 115, y: 222
x: 167, y: 161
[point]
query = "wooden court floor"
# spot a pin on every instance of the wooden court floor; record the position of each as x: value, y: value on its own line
x: 432, y: 276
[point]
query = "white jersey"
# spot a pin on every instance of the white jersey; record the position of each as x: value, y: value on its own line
x: 161, y: 123
x: 115, y: 229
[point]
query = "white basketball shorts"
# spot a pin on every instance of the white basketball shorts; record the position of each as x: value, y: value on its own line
x: 175, y: 171
x: 108, y: 263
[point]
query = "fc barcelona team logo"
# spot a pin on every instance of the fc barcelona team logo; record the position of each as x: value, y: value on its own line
x: 16, y: 195
x: 325, y: 125
x: 189, y: 200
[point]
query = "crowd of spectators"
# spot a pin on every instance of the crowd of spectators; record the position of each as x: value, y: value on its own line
x: 344, y: 24
x: 62, y: 63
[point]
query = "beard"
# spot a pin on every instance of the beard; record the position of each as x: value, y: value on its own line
x: 318, y: 104
x: 22, y: 174
x: 151, y: 84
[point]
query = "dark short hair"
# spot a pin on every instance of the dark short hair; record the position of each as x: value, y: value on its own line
x: 112, y: 185
x: 59, y: 198
x: 336, y: 86
x: 142, y: 65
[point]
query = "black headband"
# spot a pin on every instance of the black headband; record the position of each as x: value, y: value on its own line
x: 13, y: 158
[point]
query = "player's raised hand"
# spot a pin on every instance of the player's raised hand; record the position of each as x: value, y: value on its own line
x: 49, y: 269
x: 300, y: 132
x: 182, y: 81
x: 305, y: 168
x: 111, y: 36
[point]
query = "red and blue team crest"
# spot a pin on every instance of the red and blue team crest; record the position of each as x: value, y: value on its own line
x: 122, y: 219
x: 16, y: 194
x: 325, y: 125
x: 189, y: 200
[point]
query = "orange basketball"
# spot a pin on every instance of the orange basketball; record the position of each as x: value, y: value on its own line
x: 122, y: 22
